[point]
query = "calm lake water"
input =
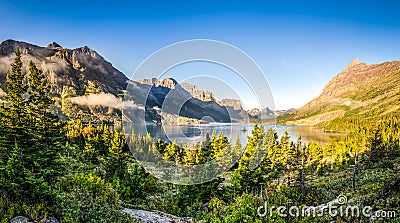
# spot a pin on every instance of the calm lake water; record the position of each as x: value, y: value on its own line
x: 194, y: 133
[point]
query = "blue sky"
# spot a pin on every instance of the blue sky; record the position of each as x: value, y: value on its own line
x: 300, y: 45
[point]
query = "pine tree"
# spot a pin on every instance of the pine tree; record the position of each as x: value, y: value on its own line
x: 173, y: 153
x: 106, y: 138
x: 289, y: 155
x: 15, y: 128
x: 204, y: 153
x: 219, y: 147
x: 301, y: 161
x: 46, y: 125
x: 116, y: 153
x: 315, y: 156
x: 15, y: 113
x: 274, y: 152
x: 190, y: 154
x: 248, y: 177
x: 30, y: 129
x: 11, y: 172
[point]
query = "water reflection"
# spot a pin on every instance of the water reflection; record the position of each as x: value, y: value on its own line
x: 195, y: 133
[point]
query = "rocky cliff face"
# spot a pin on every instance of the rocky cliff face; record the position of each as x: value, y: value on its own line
x: 203, y: 95
x: 234, y: 103
x: 359, y: 89
x: 167, y: 82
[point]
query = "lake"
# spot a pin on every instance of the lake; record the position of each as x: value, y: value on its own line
x: 194, y: 133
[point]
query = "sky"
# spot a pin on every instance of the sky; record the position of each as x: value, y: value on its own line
x: 299, y: 45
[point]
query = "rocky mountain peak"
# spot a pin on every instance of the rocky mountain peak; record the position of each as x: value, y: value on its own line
x: 166, y: 82
x: 9, y: 46
x: 8, y: 42
x: 355, y: 65
x: 65, y: 68
x: 54, y: 45
x: 85, y: 50
x: 355, y: 61
x: 203, y: 95
x: 72, y: 75
x: 254, y: 111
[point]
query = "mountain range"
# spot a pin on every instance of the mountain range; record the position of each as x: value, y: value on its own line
x: 85, y: 86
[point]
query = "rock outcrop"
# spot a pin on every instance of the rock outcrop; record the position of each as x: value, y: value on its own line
x: 155, y: 216
x: 22, y: 219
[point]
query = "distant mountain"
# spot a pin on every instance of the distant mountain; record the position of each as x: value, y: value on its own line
x: 234, y: 107
x: 360, y: 89
x: 180, y: 101
x: 284, y: 111
x: 255, y: 112
x: 196, y: 92
x: 267, y: 113
x: 200, y: 103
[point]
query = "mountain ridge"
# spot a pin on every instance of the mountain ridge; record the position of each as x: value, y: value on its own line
x: 79, y: 61
x: 359, y: 89
x: 86, y: 86
x: 155, y: 92
x: 72, y: 74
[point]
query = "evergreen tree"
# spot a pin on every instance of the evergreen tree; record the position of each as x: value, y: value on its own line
x: 174, y: 153
x: 15, y: 113
x: 16, y: 129
x: 301, y: 161
x: 115, y: 155
x: 30, y: 129
x: 220, y: 150
x: 249, y: 178
x: 289, y: 156
x: 11, y: 177
x: 315, y: 156
x: 274, y: 152
x: 204, y: 153
x: 46, y: 125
